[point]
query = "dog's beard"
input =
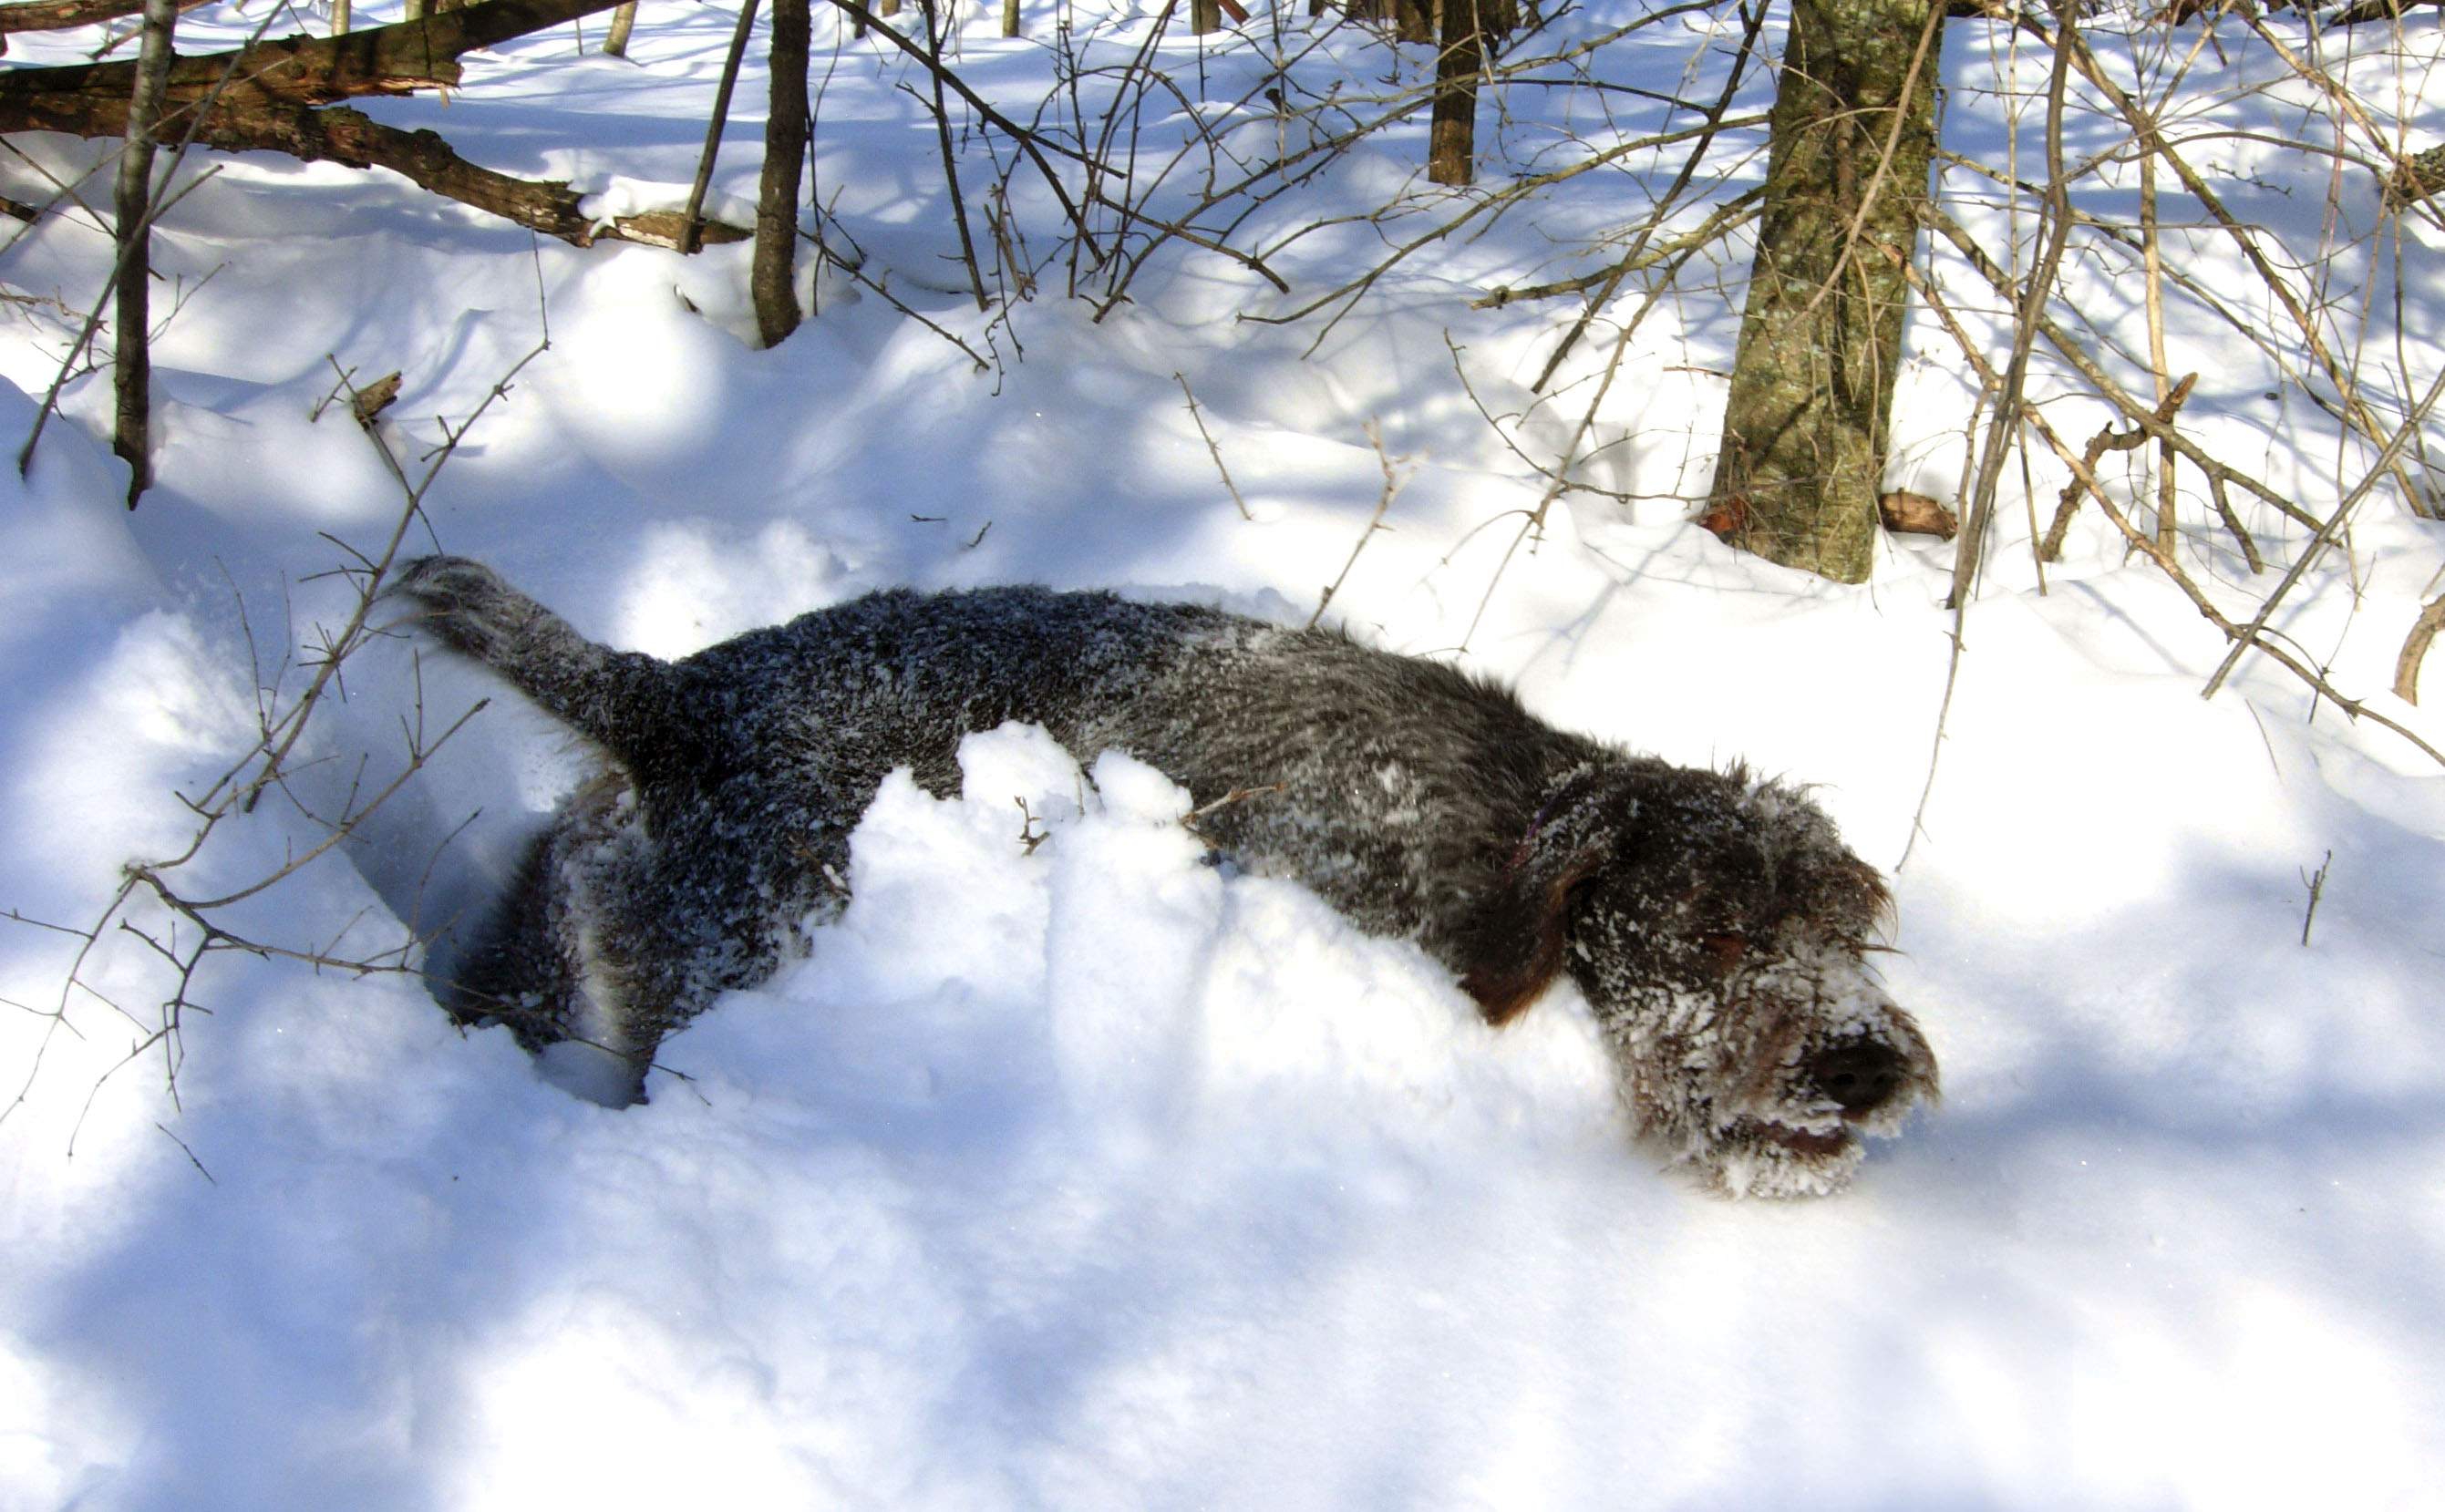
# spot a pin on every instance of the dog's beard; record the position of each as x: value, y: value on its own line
x: 1760, y: 1158
x: 1719, y: 1085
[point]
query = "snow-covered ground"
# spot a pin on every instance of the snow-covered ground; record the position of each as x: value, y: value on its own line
x: 1086, y: 1175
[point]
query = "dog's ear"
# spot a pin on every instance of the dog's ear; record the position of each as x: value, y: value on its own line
x: 1512, y: 946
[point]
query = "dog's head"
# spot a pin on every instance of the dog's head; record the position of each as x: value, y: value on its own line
x: 1720, y: 929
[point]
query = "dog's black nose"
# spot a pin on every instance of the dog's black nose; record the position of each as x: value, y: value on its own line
x: 1860, y: 1075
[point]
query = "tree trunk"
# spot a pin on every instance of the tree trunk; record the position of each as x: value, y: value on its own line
x: 1804, y: 431
x: 774, y: 278
x: 623, y: 20
x: 132, y: 438
x: 1451, y: 141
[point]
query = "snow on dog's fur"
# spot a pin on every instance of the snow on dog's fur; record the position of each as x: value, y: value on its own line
x: 1717, y: 925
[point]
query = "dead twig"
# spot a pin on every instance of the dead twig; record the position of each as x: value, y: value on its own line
x: 2316, y: 883
x: 1188, y: 821
x: 1393, y: 482
x: 1215, y: 451
x: 2146, y: 544
x: 693, y: 215
x: 2384, y: 467
x: 2109, y: 439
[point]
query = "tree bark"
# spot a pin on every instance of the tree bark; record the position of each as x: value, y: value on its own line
x: 623, y: 20
x: 1805, y: 427
x: 2419, y: 176
x: 1451, y: 139
x: 773, y: 281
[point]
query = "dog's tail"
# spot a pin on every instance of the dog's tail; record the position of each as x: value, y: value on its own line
x: 616, y: 699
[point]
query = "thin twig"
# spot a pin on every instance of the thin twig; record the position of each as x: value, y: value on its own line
x: 2316, y: 883
x: 1211, y: 447
x: 692, y: 219
x: 1393, y: 482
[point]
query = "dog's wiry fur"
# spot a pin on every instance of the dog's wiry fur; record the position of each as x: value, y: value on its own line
x: 1715, y: 923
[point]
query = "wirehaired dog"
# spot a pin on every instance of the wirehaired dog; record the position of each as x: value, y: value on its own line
x: 1716, y: 923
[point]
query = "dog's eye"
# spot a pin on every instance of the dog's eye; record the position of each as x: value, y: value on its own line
x: 1576, y: 896
x: 1725, y: 950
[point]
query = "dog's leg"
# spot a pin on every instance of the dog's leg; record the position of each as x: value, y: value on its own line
x: 515, y: 969
x: 562, y: 963
x: 616, y: 699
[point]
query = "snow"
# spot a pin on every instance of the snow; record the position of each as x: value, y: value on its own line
x: 1086, y: 1174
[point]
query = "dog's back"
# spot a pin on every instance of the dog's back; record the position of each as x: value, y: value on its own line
x: 738, y: 774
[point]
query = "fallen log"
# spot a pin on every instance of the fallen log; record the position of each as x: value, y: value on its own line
x: 268, y: 106
x: 341, y: 135
x: 90, y: 99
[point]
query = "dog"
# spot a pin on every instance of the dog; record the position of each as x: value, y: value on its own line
x: 1716, y: 924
